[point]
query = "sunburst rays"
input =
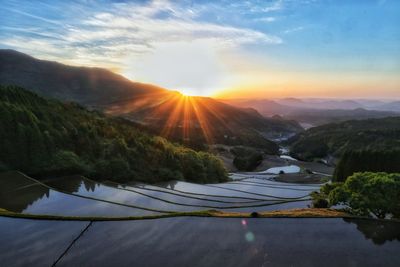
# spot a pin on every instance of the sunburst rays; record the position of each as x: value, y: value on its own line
x: 179, y: 117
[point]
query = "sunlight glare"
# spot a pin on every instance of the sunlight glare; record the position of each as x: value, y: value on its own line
x: 192, y: 68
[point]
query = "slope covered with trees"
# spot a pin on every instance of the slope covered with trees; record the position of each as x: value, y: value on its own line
x: 367, y: 160
x: 336, y: 138
x: 87, y: 86
x: 44, y: 137
x: 193, y: 121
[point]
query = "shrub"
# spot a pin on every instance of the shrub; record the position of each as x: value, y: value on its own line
x: 254, y: 214
x: 319, y: 200
x: 246, y: 159
x: 320, y: 203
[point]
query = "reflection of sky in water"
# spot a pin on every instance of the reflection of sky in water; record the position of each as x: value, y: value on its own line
x: 57, y: 203
x: 285, y: 169
x: 288, y: 157
x: 188, y: 241
x: 88, y: 198
x: 229, y: 242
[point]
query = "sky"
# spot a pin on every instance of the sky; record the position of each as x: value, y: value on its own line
x: 226, y: 49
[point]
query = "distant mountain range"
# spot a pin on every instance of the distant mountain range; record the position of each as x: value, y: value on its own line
x: 315, y: 103
x: 168, y: 113
x: 320, y: 111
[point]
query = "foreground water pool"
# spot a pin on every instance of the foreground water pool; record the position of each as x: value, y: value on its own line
x: 188, y: 241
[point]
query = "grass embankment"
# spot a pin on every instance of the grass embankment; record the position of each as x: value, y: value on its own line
x: 294, y: 213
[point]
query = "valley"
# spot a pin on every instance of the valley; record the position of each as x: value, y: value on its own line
x: 94, y: 166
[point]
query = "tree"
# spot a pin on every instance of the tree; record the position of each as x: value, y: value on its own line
x: 67, y: 162
x: 246, y: 159
x: 369, y: 193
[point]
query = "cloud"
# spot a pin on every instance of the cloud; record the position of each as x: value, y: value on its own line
x: 265, y: 19
x: 278, y: 5
x: 107, y: 35
x: 295, y: 29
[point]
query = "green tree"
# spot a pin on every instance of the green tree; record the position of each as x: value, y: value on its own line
x: 366, y: 193
x: 66, y: 162
x: 246, y: 159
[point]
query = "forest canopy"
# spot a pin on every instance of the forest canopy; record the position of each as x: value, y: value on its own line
x: 44, y: 137
x: 367, y: 161
x: 336, y: 138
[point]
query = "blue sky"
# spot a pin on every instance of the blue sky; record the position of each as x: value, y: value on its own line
x: 273, y: 48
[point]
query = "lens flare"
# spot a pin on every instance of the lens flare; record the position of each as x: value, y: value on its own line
x: 249, y: 237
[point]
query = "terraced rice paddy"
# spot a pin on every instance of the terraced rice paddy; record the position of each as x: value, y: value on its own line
x: 80, y: 196
x: 183, y: 240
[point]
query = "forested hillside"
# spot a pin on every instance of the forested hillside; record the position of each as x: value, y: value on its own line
x: 86, y: 86
x: 336, y: 138
x: 44, y: 137
x: 193, y: 121
x: 367, y: 161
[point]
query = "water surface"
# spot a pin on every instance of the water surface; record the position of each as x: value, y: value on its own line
x: 188, y: 241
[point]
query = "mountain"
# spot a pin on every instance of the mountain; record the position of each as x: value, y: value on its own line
x: 88, y: 86
x: 290, y: 101
x: 201, y: 119
x: 265, y: 106
x: 319, y: 103
x: 43, y: 137
x: 370, y: 103
x: 288, y: 106
x: 307, y: 112
x: 391, y: 106
x: 320, y: 117
x: 161, y: 110
x: 335, y: 138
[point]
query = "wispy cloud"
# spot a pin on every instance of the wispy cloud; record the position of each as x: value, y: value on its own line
x: 125, y: 29
x: 278, y: 5
x: 265, y: 19
x: 295, y: 29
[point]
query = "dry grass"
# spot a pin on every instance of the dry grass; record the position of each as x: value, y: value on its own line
x: 312, y: 213
x: 294, y: 213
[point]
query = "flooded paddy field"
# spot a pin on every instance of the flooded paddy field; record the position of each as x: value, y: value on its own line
x: 80, y: 196
x: 192, y: 241
x: 181, y: 241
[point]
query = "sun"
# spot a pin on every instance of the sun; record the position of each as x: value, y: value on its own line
x: 193, y: 92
